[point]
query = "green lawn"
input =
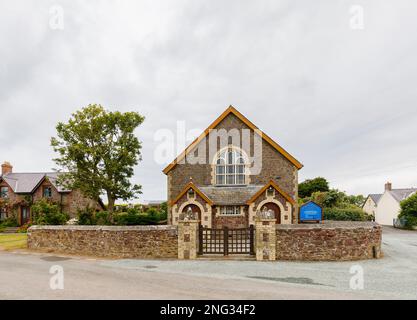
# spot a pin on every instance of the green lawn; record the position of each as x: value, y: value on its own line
x: 13, y: 241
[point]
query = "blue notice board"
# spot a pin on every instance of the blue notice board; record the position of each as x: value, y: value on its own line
x: 311, y: 211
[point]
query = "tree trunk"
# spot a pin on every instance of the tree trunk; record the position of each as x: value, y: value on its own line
x: 110, y: 207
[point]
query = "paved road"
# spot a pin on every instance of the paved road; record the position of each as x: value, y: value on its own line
x: 26, y: 276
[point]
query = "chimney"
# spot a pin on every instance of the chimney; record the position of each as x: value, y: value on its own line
x: 388, y: 186
x: 6, y: 168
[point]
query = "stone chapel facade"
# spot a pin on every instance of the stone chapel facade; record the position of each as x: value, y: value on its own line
x: 229, y: 173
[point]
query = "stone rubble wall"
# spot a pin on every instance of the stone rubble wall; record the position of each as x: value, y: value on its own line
x: 330, y: 241
x: 145, y: 242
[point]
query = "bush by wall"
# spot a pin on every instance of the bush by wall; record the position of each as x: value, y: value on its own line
x: 45, y: 212
x: 345, y: 214
x: 131, y: 217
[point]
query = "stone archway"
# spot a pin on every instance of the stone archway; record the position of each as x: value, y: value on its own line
x: 195, y: 209
x: 275, y: 208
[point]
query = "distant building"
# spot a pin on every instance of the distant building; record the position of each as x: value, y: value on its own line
x: 370, y: 204
x: 19, y: 190
x: 386, y: 206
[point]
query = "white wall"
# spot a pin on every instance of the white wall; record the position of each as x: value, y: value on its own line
x: 388, y: 209
x: 369, y: 207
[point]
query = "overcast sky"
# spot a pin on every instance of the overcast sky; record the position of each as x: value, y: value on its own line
x: 342, y: 100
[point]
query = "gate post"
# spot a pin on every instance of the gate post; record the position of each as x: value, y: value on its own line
x: 188, y: 239
x: 225, y: 241
x: 265, y: 235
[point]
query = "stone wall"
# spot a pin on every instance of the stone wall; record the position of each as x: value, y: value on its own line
x: 329, y: 241
x: 104, y: 241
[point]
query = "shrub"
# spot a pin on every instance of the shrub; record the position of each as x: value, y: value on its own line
x: 345, y: 214
x: 409, y: 211
x: 24, y: 228
x: 10, y: 222
x: 134, y: 217
x: 86, y: 217
x: 48, y: 213
x: 102, y: 218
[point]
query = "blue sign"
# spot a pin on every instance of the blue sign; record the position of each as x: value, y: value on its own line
x: 311, y: 211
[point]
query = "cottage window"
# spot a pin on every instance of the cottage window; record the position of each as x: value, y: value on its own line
x: 47, y: 192
x: 229, y: 210
x: 4, y: 192
x: 230, y: 168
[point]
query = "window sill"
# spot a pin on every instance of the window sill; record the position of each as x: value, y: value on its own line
x: 231, y: 185
x: 230, y: 215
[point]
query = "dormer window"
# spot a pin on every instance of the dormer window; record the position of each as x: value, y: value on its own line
x: 230, y: 168
x: 47, y: 192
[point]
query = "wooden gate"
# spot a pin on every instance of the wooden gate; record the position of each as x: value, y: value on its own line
x: 226, y: 241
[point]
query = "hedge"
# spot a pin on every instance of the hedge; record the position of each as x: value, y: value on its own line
x: 345, y: 214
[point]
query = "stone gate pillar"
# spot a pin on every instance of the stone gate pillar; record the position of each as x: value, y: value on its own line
x: 188, y: 229
x: 266, y: 237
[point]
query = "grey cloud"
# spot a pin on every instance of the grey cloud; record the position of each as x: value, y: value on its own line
x: 342, y: 101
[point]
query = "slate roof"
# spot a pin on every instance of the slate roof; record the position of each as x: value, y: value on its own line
x: 402, y: 194
x: 230, y: 195
x: 28, y: 182
x: 375, y: 197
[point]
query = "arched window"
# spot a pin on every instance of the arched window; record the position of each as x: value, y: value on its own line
x: 230, y: 168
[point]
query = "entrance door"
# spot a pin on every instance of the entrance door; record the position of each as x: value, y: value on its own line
x: 25, y: 215
x: 272, y: 206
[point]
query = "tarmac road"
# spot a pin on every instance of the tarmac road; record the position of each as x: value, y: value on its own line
x: 26, y: 276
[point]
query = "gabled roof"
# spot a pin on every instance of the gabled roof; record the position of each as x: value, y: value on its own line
x: 232, y: 110
x: 375, y: 197
x: 29, y: 182
x: 189, y: 186
x: 278, y: 189
x: 402, y: 194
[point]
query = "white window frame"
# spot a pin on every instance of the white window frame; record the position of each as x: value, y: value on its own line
x: 230, y: 168
x: 229, y: 211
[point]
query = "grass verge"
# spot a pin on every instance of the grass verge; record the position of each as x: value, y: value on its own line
x: 13, y: 241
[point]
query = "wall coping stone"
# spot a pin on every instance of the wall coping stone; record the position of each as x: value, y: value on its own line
x: 106, y: 228
x: 328, y: 225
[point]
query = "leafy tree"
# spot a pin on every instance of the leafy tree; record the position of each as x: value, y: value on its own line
x: 358, y: 200
x: 308, y: 187
x: 99, y: 150
x: 409, y: 210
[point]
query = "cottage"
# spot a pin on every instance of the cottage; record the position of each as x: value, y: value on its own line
x: 386, y: 206
x: 19, y: 190
x: 229, y: 173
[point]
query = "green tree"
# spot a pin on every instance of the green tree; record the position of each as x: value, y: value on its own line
x: 308, y: 187
x: 409, y: 210
x: 358, y: 200
x: 98, y: 150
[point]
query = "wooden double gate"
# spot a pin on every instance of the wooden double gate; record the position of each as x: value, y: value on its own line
x: 226, y: 241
